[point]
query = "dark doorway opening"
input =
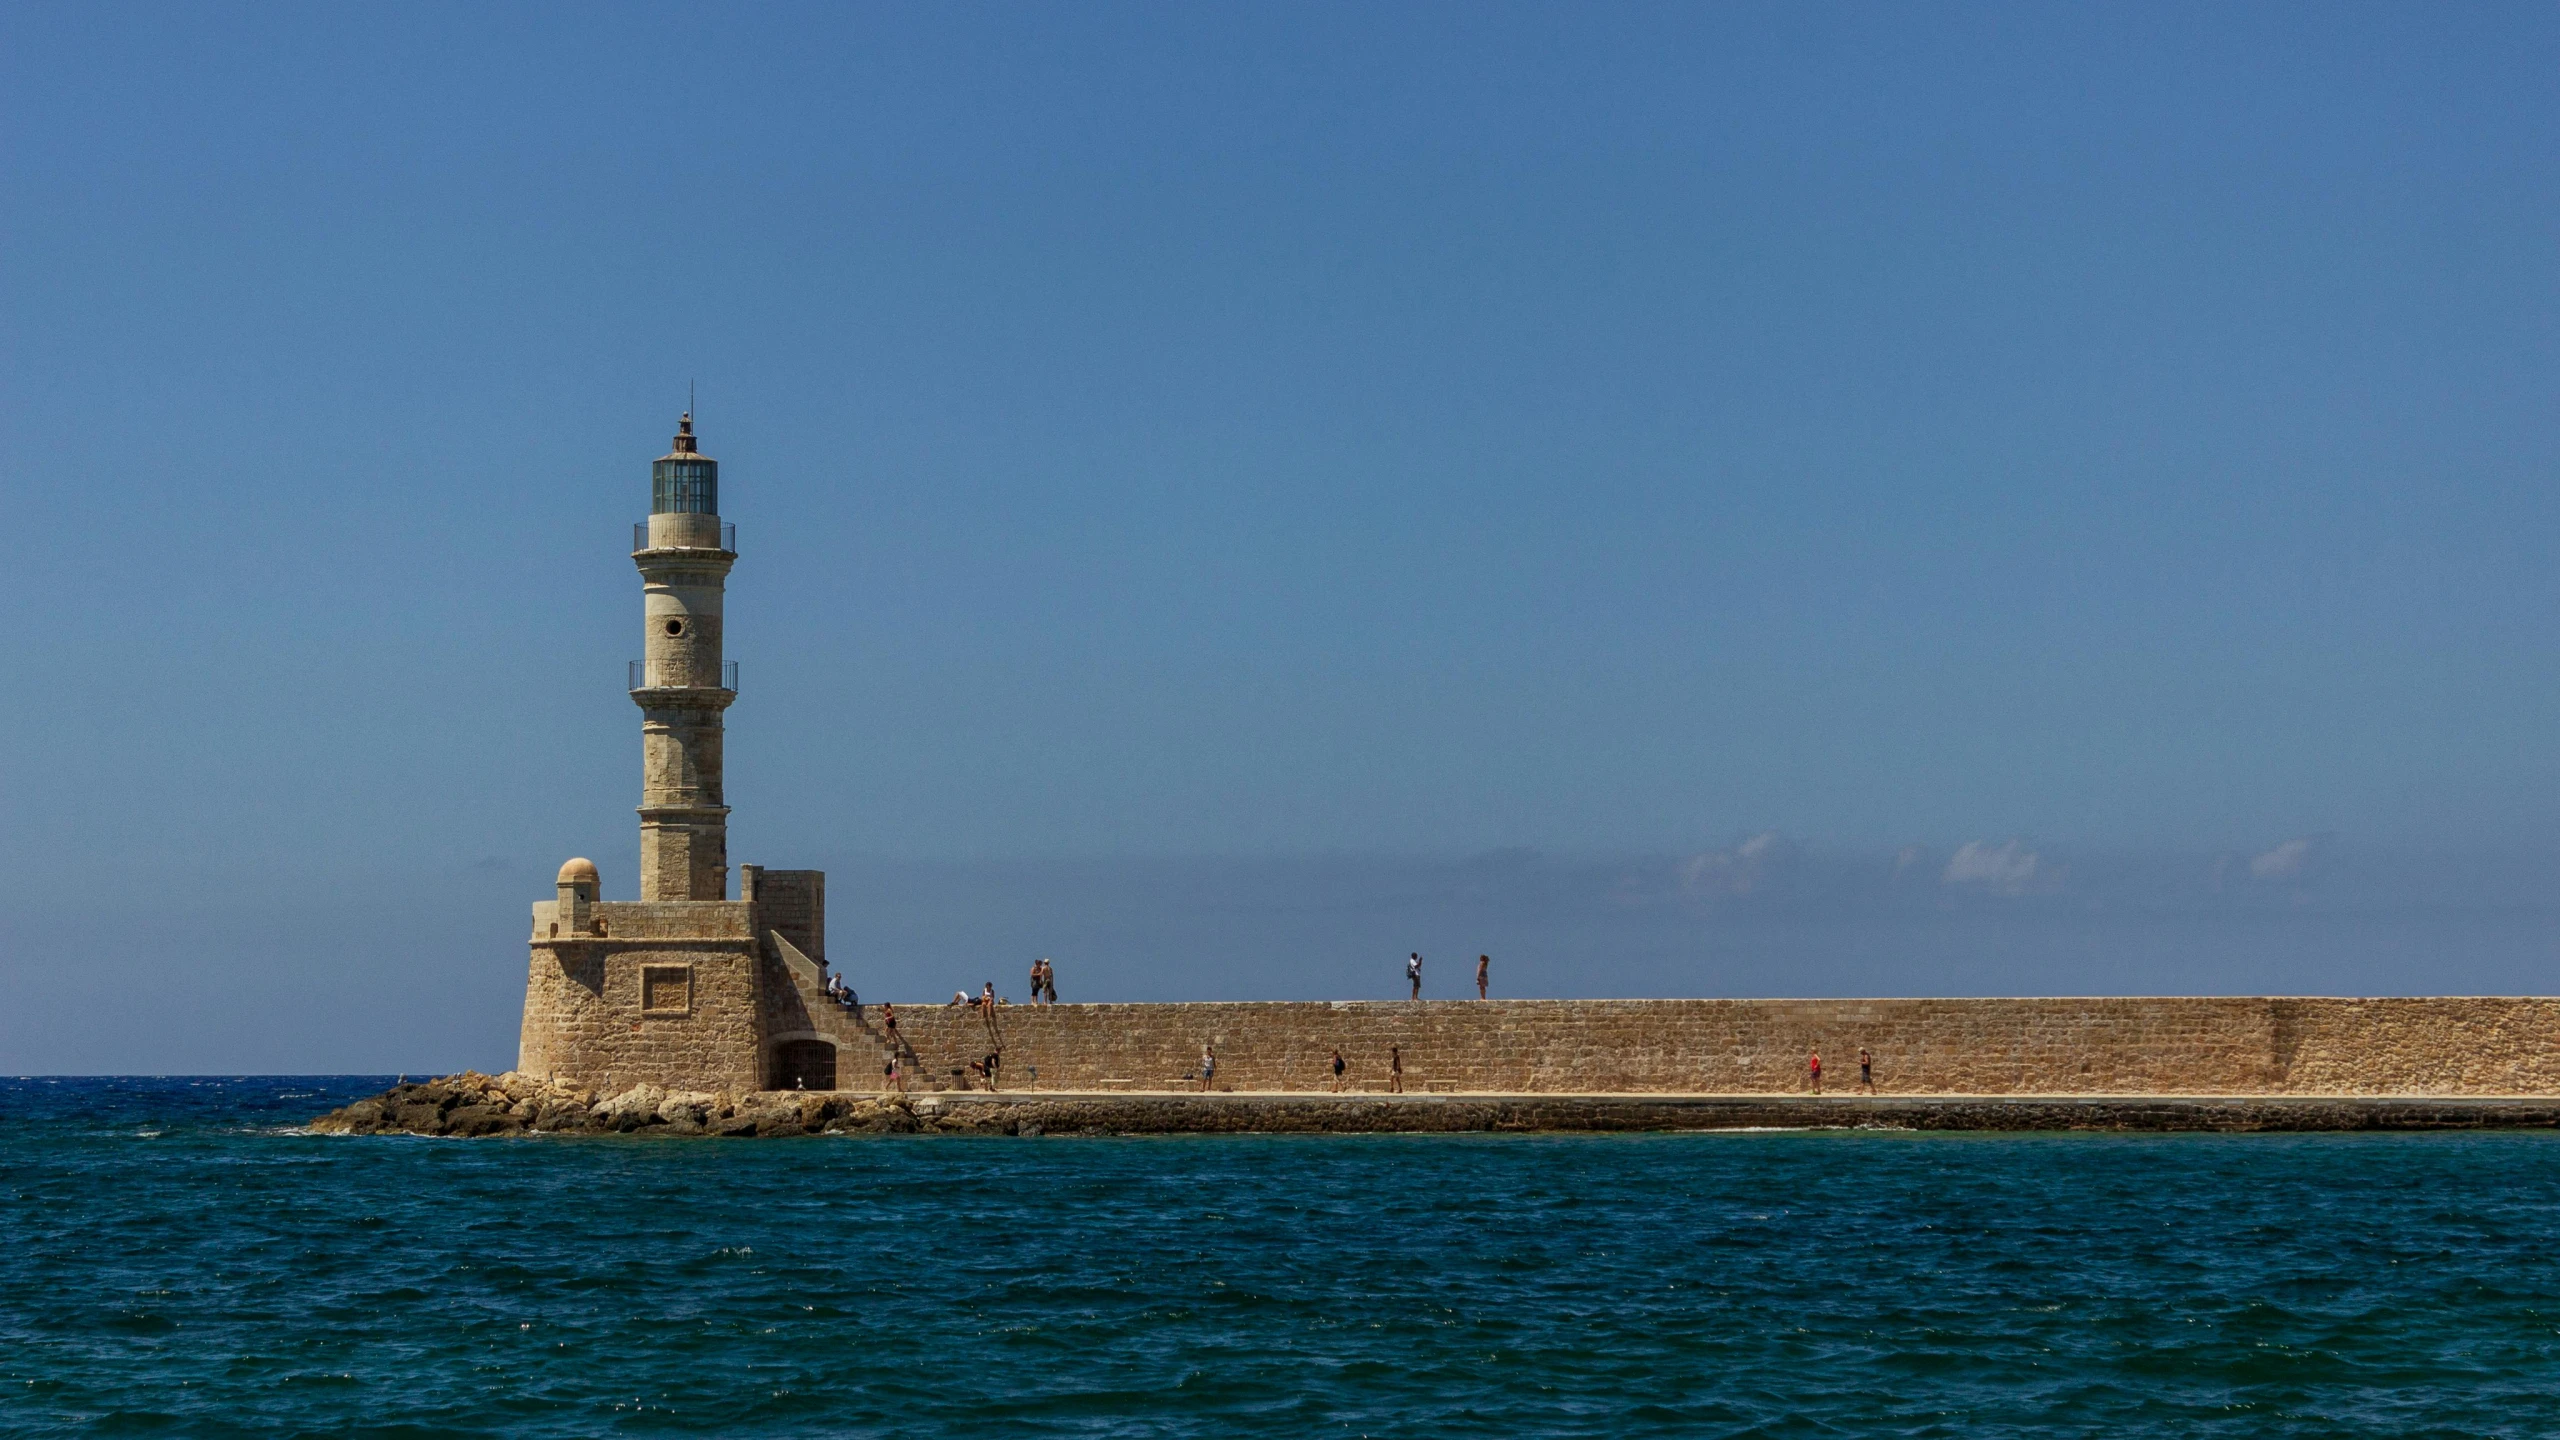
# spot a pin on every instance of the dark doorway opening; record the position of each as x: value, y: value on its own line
x: 804, y: 1065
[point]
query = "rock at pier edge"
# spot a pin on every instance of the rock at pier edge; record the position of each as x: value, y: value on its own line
x: 475, y: 1105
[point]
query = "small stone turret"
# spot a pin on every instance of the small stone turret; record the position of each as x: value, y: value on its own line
x: 578, y: 887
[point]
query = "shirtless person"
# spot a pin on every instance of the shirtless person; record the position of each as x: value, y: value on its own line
x: 1866, y: 1070
x: 1484, y: 966
x: 1395, y: 1069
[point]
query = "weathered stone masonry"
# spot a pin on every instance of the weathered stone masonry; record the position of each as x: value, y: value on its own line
x: 2098, y: 1046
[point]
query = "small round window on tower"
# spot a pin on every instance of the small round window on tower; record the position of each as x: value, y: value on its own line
x: 675, y: 627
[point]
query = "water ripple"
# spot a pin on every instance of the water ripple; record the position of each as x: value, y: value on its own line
x: 182, y: 1261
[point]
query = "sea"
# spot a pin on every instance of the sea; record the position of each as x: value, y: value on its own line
x: 179, y: 1258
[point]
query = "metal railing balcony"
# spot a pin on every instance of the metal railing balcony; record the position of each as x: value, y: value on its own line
x: 679, y: 675
x: 728, y: 537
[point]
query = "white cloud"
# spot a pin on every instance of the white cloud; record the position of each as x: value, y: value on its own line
x: 2006, y: 869
x: 1737, y: 871
x: 2283, y: 862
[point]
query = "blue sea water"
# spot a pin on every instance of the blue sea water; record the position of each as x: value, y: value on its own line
x: 176, y: 1260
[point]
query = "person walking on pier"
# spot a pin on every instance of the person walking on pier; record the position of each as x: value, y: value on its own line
x: 1413, y: 973
x: 889, y: 1071
x: 1814, y: 1067
x: 1208, y: 1066
x: 1866, y: 1071
x: 1395, y: 1069
x: 1338, y: 1068
x: 1036, y: 967
x: 1484, y: 966
x: 1049, y: 979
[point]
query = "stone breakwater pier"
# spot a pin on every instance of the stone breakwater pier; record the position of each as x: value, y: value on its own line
x: 2128, y: 1063
x: 2114, y: 1045
x: 690, y: 1010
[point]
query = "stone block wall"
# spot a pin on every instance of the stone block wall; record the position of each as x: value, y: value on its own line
x: 790, y: 902
x: 613, y: 1013
x: 2097, y: 1046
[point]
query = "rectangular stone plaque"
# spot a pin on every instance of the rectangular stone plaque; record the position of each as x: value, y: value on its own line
x: 666, y: 989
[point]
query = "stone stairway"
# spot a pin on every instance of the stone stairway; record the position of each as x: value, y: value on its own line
x: 862, y: 1043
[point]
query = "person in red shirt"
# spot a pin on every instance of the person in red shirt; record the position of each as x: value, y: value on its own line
x: 1814, y: 1067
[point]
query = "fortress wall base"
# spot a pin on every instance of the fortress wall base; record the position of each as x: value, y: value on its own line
x: 1389, y: 1114
x: 516, y: 1104
x: 2095, y: 1046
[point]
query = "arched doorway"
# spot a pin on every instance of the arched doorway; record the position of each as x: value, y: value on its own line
x: 804, y: 1065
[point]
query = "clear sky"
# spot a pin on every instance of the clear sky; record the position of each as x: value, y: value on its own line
x: 1691, y: 499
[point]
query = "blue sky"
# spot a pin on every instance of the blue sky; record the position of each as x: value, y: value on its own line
x: 1696, y: 500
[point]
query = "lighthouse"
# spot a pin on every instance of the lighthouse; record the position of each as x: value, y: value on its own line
x: 687, y: 987
x: 681, y: 683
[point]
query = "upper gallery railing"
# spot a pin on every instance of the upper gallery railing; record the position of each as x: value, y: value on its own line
x: 678, y: 675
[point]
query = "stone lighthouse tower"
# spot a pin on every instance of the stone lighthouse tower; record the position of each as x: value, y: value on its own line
x: 680, y: 682
x: 685, y: 988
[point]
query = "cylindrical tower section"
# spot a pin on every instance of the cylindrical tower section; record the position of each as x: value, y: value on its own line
x: 679, y: 682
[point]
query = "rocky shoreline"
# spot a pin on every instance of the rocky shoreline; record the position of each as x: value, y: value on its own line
x: 476, y: 1105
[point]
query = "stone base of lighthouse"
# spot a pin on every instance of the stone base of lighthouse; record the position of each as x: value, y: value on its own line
x: 685, y: 994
